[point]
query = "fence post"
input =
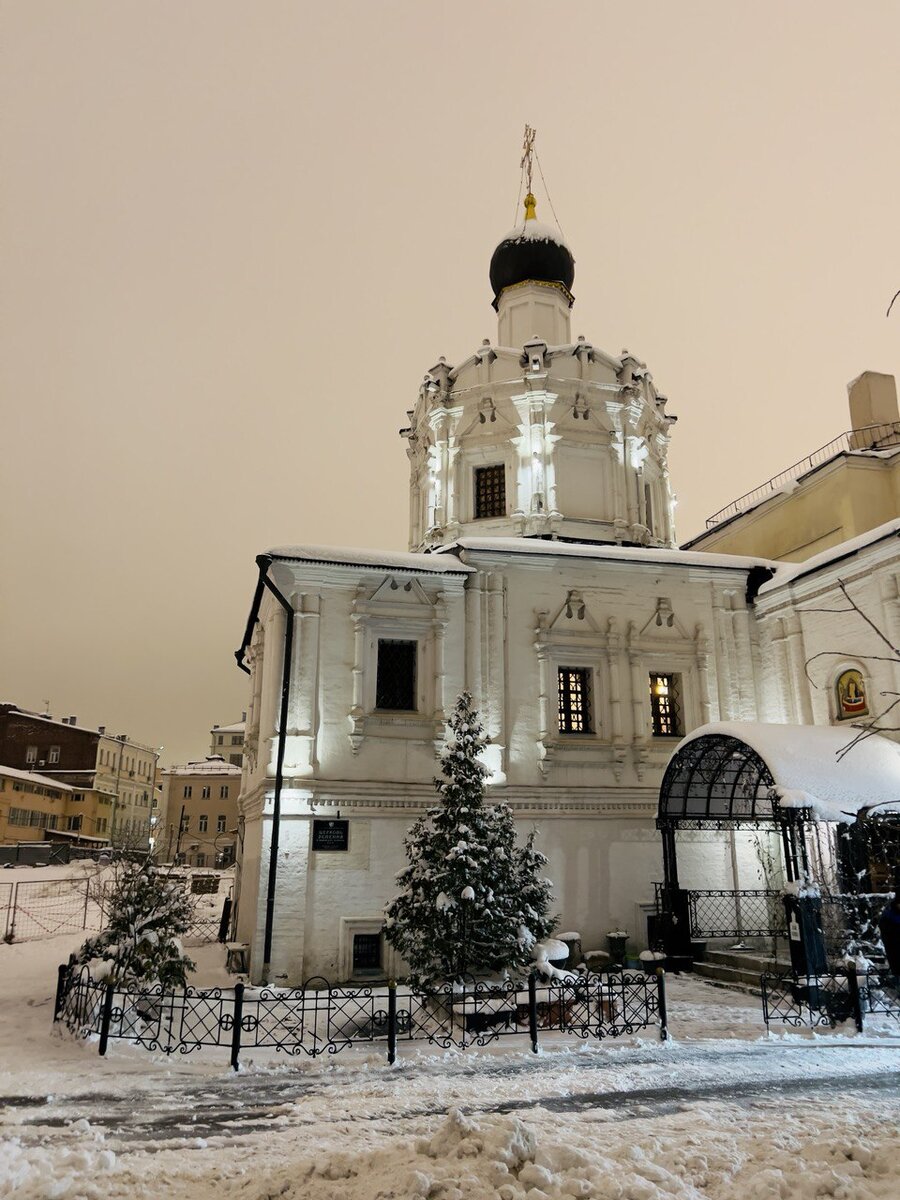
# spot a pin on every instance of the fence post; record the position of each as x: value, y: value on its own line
x: 661, y: 995
x: 225, y: 920
x: 61, y: 977
x: 855, y: 998
x: 13, y: 901
x: 106, y: 1016
x: 532, y: 1012
x: 87, y: 898
x: 236, y: 1027
x: 392, y: 1021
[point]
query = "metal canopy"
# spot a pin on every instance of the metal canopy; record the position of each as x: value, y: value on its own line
x: 716, y: 780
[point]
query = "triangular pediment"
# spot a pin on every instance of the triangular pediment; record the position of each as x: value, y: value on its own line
x: 400, y: 591
x: 574, y: 616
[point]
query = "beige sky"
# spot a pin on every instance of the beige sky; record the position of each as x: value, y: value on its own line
x: 234, y: 237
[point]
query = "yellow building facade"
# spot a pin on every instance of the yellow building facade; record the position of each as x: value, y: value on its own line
x: 842, y: 490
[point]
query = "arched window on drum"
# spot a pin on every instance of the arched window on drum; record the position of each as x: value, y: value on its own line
x: 850, y: 694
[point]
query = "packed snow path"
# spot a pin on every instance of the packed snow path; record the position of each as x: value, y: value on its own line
x: 719, y: 1113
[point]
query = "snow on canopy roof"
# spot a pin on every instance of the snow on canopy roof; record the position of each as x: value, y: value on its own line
x: 537, y: 546
x: 349, y: 556
x: 32, y: 777
x: 787, y: 572
x: 237, y: 727
x: 535, y: 231
x: 804, y: 763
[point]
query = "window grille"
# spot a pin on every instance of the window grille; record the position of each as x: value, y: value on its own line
x: 395, y: 685
x: 665, y: 705
x: 490, y: 491
x: 366, y: 951
x: 574, y: 695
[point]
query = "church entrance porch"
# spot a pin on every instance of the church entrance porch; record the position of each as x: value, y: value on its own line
x: 806, y: 805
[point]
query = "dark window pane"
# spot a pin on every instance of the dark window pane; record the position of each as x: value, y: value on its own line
x: 574, y: 697
x: 665, y: 705
x: 366, y: 951
x: 395, y: 685
x: 490, y: 491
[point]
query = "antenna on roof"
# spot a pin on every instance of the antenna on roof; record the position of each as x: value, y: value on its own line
x: 46, y: 708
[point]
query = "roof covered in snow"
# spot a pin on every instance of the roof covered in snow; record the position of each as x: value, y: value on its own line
x: 787, y: 572
x: 32, y: 777
x: 808, y: 772
x: 237, y: 727
x: 214, y: 764
x: 633, y: 554
x: 378, y: 559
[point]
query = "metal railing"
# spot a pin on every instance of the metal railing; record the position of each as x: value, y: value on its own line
x: 31, y: 909
x: 316, y: 1018
x: 828, y: 999
x: 870, y: 437
x: 720, y: 913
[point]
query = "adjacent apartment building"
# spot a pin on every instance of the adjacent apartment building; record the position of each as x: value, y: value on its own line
x: 198, y: 823
x: 108, y: 778
x: 228, y: 741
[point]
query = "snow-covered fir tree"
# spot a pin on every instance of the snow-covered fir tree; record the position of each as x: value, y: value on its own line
x: 148, y: 911
x: 473, y: 902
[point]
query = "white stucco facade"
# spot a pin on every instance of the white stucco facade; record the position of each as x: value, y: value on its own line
x: 575, y: 569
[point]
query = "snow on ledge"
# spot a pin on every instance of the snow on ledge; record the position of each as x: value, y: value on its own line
x: 392, y: 559
x: 807, y: 772
x: 606, y: 550
x: 787, y: 572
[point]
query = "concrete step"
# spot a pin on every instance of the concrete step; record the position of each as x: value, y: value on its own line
x: 746, y: 960
x: 746, y: 979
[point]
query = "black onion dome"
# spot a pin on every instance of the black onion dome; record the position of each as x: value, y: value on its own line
x: 532, y: 251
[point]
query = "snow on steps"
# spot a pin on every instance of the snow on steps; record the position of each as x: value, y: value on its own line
x: 738, y: 968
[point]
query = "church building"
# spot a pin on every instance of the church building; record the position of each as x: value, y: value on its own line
x: 542, y: 576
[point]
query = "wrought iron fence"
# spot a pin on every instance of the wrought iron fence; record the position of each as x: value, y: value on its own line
x: 814, y: 1001
x: 744, y: 913
x: 316, y: 1018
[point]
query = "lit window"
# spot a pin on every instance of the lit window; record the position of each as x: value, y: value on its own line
x: 53, y: 756
x: 574, y: 699
x: 204, y: 823
x: 395, y: 686
x: 665, y: 705
x: 490, y: 491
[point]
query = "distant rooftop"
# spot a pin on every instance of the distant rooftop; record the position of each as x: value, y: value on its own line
x: 213, y: 764
x: 32, y: 777
x: 870, y: 441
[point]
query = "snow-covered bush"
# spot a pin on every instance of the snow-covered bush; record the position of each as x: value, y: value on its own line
x: 148, y: 911
x: 473, y: 902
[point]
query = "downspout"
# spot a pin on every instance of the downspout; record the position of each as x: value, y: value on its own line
x: 264, y: 562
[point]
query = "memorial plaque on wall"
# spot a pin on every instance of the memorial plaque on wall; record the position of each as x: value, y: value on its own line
x: 331, y: 835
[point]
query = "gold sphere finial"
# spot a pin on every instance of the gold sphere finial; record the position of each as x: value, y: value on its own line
x: 530, y: 207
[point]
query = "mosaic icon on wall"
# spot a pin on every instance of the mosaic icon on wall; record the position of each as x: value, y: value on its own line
x: 851, y: 695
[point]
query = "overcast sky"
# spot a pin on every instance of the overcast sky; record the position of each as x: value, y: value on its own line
x: 235, y: 236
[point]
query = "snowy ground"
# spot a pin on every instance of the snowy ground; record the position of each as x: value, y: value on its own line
x: 721, y: 1112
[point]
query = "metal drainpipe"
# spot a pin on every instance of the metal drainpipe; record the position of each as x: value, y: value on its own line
x: 264, y: 563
